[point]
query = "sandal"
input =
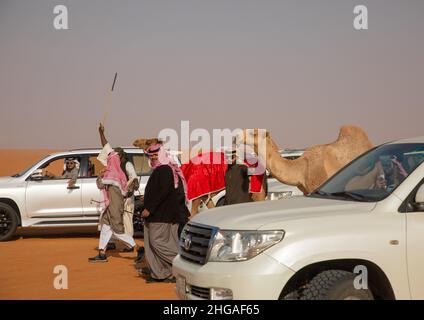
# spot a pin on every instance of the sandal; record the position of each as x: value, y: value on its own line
x: 150, y: 279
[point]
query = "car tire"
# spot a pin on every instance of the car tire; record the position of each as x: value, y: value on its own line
x: 334, y: 285
x: 220, y: 202
x: 9, y: 221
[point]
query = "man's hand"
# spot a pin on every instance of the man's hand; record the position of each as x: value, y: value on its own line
x: 381, y: 183
x: 102, y: 173
x: 145, y: 213
x: 136, y: 185
x: 48, y: 174
x: 102, y: 134
x: 71, y: 183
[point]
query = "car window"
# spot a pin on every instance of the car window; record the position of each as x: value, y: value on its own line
x: 55, y: 169
x: 376, y: 174
x: 409, y: 204
x: 20, y: 174
x: 94, y: 167
x: 141, y: 164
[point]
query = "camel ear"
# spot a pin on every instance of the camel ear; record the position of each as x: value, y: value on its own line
x: 257, y: 130
x: 136, y: 143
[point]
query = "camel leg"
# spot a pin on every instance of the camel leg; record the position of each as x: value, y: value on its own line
x: 210, y: 203
x: 196, y: 204
x: 259, y: 196
x: 195, y: 207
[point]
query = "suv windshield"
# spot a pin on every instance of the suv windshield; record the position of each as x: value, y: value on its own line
x: 20, y: 174
x: 374, y: 175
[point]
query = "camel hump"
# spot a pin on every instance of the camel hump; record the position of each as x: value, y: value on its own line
x: 350, y: 132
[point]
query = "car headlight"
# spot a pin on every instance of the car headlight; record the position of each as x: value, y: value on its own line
x: 230, y: 246
x: 279, y: 195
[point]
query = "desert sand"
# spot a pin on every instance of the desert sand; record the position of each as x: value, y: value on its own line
x: 28, y: 262
x: 27, y: 269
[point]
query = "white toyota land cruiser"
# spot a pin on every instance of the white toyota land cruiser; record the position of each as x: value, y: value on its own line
x: 368, y: 217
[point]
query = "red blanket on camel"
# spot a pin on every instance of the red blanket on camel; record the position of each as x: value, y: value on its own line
x: 205, y: 173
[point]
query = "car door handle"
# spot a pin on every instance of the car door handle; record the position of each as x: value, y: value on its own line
x: 74, y: 187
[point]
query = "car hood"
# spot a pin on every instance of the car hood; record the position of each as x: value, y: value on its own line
x: 254, y: 215
x: 6, y: 180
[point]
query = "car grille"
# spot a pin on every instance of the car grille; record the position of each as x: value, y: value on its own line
x: 194, y: 242
x: 200, y: 292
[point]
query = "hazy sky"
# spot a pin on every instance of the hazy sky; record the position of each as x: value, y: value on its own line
x: 297, y: 68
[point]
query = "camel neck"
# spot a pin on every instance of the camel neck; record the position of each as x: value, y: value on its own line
x: 290, y: 172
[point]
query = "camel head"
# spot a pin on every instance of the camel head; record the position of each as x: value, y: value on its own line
x: 252, y: 137
x: 145, y: 143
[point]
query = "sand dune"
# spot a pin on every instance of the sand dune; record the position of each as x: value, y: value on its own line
x: 15, y: 160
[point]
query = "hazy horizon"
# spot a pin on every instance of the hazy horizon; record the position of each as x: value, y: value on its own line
x: 296, y: 68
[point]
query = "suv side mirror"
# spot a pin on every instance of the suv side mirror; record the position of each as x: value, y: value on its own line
x: 37, y: 175
x: 419, y: 199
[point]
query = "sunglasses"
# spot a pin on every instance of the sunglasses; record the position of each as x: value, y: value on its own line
x: 70, y: 162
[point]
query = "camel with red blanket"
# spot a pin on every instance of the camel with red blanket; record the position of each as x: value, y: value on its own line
x: 204, y: 173
x: 205, y: 176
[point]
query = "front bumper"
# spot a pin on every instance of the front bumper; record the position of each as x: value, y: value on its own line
x: 260, y: 278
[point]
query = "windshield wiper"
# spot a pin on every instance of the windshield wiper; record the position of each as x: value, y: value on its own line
x: 349, y: 195
x: 320, y: 193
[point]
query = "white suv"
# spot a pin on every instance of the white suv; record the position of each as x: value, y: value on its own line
x: 359, y: 236
x: 28, y: 199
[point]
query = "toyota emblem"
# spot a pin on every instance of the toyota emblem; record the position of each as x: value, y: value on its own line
x: 187, y: 242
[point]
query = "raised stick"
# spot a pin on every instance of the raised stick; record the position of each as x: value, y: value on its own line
x: 109, y: 101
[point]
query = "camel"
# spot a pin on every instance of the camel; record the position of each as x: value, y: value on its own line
x: 217, y: 180
x: 207, y: 198
x: 317, y: 164
x: 196, y: 202
x: 205, y: 176
x: 145, y: 143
